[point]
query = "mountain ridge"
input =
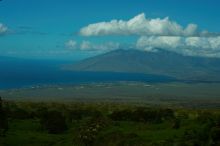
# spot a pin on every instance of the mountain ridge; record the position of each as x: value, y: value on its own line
x: 159, y: 63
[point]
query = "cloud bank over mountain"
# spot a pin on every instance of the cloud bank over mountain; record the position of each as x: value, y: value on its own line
x: 157, y: 33
x: 191, y: 46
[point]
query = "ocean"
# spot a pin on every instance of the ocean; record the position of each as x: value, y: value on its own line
x: 20, y: 73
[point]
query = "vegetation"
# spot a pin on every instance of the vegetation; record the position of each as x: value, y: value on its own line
x: 109, y: 124
x: 3, y: 120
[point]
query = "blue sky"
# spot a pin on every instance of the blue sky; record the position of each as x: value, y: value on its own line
x: 49, y: 28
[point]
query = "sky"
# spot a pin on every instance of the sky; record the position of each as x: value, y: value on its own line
x: 76, y: 29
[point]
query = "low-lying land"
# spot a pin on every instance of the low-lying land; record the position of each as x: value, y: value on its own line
x: 206, y: 95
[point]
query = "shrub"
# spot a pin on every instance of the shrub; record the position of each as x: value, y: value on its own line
x: 205, y: 117
x: 122, y: 115
x: 54, y: 122
x: 215, y: 136
x: 89, y: 131
x: 3, y: 120
x: 176, y: 123
x: 19, y: 113
x: 118, y: 138
x: 143, y: 115
x: 167, y: 113
x: 197, y: 136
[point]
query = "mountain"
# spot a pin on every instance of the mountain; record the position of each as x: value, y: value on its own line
x: 160, y: 63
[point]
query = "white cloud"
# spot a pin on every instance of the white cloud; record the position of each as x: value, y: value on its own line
x: 71, y: 44
x: 139, y: 25
x: 86, y: 45
x: 157, y: 33
x: 3, y: 29
x: 192, y: 46
x: 89, y: 46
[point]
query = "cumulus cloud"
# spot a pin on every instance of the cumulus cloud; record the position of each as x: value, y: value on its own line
x: 90, y: 46
x: 140, y: 25
x: 71, y: 44
x: 157, y: 33
x: 3, y: 29
x: 192, y: 46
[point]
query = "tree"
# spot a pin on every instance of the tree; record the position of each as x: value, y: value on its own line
x: 54, y: 122
x: 3, y: 120
x: 215, y: 135
x: 176, y: 123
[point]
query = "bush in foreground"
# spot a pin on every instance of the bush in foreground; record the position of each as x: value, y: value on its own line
x: 54, y: 122
x: 3, y: 120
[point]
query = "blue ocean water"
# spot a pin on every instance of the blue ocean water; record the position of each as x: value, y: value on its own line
x: 18, y: 73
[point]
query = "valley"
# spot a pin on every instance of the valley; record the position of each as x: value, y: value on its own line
x: 173, y: 94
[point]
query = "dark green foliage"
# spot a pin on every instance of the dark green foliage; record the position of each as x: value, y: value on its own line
x: 176, y: 123
x: 206, y: 133
x: 199, y: 135
x: 75, y: 114
x: 118, y: 138
x: 3, y: 120
x: 40, y: 112
x: 143, y: 115
x: 19, y: 113
x: 80, y: 114
x: 109, y: 124
x: 53, y: 121
x: 195, y: 137
x: 15, y: 111
x: 122, y: 115
x: 215, y: 136
x: 89, y: 131
x: 167, y: 113
x: 205, y: 117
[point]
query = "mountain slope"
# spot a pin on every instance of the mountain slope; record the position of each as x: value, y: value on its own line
x: 161, y: 63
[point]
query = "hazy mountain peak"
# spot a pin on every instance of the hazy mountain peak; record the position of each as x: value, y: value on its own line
x: 161, y: 62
